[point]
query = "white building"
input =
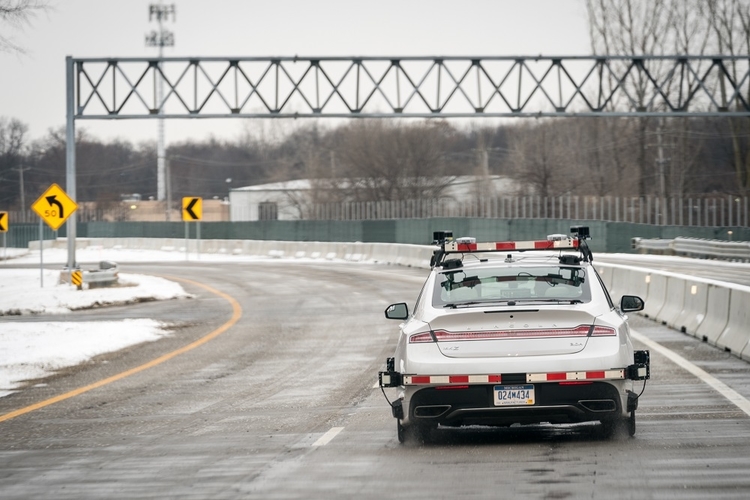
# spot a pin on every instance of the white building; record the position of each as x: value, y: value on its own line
x: 291, y: 199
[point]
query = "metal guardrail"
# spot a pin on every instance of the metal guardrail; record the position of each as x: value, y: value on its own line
x: 105, y: 276
x: 695, y: 247
x: 655, y: 246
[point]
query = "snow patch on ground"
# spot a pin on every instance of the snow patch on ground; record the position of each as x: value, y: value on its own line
x: 34, y: 350
x: 21, y: 292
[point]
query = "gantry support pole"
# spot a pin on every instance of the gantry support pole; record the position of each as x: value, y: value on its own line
x: 70, y: 158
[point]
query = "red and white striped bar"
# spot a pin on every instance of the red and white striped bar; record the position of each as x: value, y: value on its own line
x: 563, y: 376
x: 498, y: 379
x: 566, y: 244
x: 451, y: 379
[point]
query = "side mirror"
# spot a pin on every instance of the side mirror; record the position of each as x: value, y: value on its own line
x: 631, y: 303
x: 397, y: 311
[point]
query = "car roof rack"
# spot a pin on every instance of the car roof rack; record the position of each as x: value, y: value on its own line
x: 449, y: 246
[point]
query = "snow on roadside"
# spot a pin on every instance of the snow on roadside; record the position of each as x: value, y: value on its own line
x: 21, y: 292
x: 34, y: 349
x: 30, y: 350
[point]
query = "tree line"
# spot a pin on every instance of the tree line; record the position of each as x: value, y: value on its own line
x: 678, y: 27
x: 383, y: 160
x: 380, y: 160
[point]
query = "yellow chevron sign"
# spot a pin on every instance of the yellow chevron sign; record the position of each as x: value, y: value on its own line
x: 192, y: 208
x: 3, y: 222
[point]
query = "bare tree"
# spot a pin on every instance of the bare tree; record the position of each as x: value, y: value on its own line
x: 730, y: 23
x: 633, y: 27
x: 15, y: 14
x: 311, y: 157
x: 690, y: 34
x: 13, y: 143
x: 542, y: 158
x: 694, y: 27
x: 386, y: 161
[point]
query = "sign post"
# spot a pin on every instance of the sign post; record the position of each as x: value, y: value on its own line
x: 41, y: 253
x: 53, y: 207
x: 4, y: 230
x: 192, y: 211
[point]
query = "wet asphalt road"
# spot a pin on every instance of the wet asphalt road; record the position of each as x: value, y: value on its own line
x: 283, y: 405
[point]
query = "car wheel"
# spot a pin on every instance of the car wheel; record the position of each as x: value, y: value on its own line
x: 400, y: 431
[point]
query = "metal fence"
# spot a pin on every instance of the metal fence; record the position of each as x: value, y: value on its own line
x: 700, y: 212
x: 19, y: 235
x: 723, y: 211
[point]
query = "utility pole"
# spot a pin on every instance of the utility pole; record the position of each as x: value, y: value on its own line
x: 161, y: 38
x: 661, y: 161
x: 169, y: 190
x: 21, y: 169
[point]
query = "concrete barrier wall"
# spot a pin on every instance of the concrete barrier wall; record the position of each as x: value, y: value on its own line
x: 716, y: 312
x: 624, y: 280
x: 673, y: 302
x: 693, y: 307
x: 606, y: 273
x: 657, y: 295
x: 735, y: 336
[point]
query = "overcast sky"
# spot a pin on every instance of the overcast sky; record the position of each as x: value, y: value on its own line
x: 32, y: 86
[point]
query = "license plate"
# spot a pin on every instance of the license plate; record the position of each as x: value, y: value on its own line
x: 514, y: 395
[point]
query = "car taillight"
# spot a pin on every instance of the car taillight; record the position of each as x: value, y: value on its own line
x: 578, y: 331
x: 603, y: 331
x: 421, y: 338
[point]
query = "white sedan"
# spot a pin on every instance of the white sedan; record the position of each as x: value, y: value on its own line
x: 514, y: 332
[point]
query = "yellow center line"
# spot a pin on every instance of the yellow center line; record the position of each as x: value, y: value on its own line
x: 236, y: 315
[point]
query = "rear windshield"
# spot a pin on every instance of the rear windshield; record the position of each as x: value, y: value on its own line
x: 512, y: 284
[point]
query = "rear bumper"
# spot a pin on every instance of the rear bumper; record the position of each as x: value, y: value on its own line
x: 555, y: 403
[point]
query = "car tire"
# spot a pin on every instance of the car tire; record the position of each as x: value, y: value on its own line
x: 631, y: 424
x: 400, y: 431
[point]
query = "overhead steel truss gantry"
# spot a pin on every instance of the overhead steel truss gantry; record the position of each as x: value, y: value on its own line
x: 417, y: 87
x: 390, y: 87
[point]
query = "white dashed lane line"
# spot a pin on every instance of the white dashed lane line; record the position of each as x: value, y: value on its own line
x: 733, y: 396
x: 328, y: 436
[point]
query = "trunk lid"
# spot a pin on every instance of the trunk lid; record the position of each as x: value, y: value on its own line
x: 517, y: 332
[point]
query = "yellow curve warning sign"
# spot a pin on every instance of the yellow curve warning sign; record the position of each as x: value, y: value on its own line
x: 54, y: 206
